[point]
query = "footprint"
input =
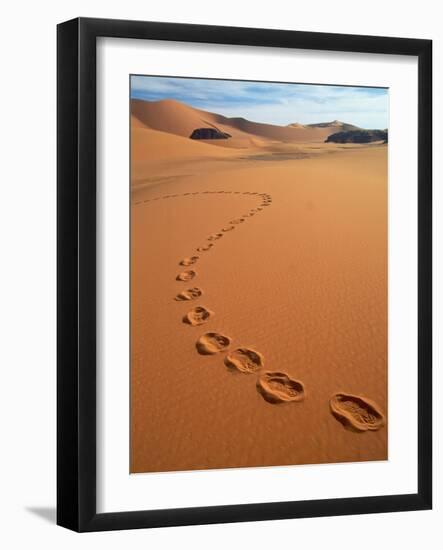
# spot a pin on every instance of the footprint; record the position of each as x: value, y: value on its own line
x: 189, y: 261
x: 356, y: 412
x: 212, y: 342
x: 230, y: 228
x: 238, y: 220
x: 186, y: 275
x: 189, y: 294
x: 215, y: 236
x: 197, y: 316
x: 277, y: 387
x: 245, y: 360
x: 205, y: 248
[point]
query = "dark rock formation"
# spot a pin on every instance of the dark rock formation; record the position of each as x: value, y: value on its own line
x: 209, y: 133
x: 359, y: 136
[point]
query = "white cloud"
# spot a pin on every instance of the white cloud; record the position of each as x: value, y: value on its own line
x: 271, y: 102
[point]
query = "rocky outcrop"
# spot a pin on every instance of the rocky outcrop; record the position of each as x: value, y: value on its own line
x: 358, y: 136
x: 209, y: 133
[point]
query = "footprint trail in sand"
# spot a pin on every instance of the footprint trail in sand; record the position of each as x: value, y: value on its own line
x: 245, y: 360
x: 212, y: 342
x: 189, y: 294
x: 189, y: 261
x: 354, y: 412
x: 197, y: 316
x: 186, y: 275
x: 278, y: 387
x: 275, y: 387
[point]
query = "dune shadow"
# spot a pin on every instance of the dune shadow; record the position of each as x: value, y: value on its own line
x: 276, y: 156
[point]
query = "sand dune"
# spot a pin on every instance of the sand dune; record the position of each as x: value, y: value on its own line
x: 247, y: 142
x: 334, y: 126
x: 154, y: 154
x: 177, y: 118
x: 153, y: 145
x: 289, y: 237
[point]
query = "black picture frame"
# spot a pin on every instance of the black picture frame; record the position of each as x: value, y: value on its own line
x: 76, y: 279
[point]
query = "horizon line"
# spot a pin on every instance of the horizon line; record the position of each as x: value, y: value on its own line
x: 321, y: 121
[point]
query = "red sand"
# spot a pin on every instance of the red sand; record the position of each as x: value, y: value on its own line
x: 301, y: 281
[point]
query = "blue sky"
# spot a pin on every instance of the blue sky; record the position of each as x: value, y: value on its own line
x: 271, y: 102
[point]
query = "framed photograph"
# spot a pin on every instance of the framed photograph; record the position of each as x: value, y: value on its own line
x: 244, y: 274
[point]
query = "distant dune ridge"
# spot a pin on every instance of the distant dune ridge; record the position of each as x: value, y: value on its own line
x: 177, y: 118
x: 334, y: 126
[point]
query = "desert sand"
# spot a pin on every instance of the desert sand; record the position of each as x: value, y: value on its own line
x: 258, y: 294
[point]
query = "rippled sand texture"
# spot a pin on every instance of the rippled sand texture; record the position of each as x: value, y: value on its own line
x: 258, y: 299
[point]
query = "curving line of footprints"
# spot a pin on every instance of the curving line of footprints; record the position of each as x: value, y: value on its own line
x: 353, y: 411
